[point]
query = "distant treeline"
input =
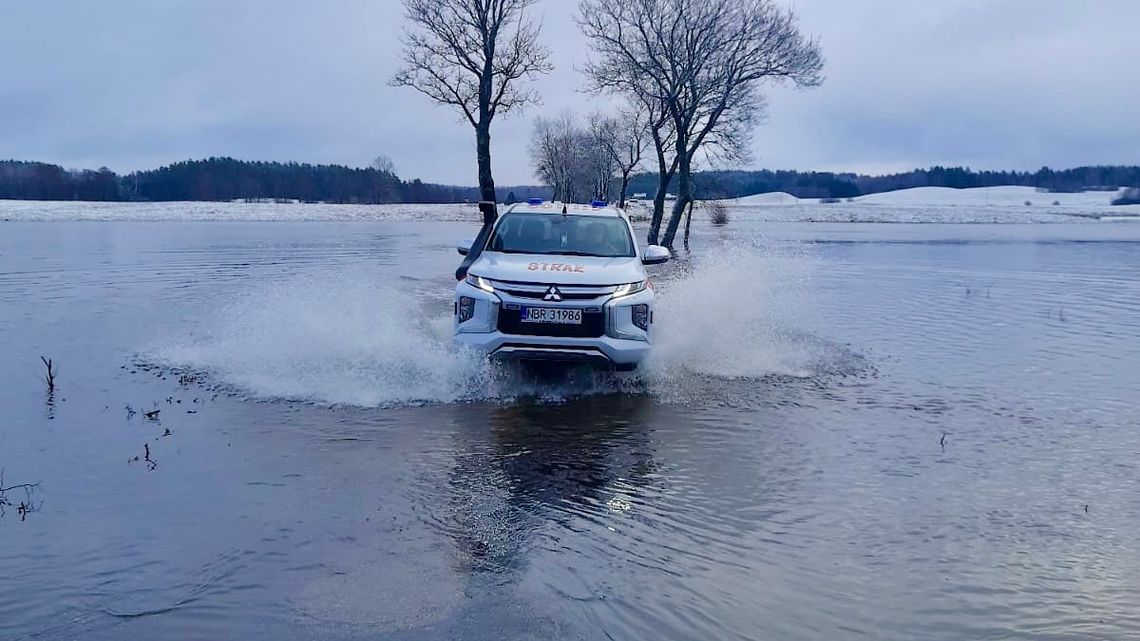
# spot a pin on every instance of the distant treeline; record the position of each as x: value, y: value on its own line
x: 224, y: 179
x: 734, y: 184
x: 39, y: 181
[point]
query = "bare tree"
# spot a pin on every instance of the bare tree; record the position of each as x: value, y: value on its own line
x: 384, y: 165
x: 474, y: 55
x: 597, y: 163
x: 623, y: 139
x: 571, y: 159
x: 385, y: 186
x: 552, y: 152
x: 703, y: 62
x: 621, y: 68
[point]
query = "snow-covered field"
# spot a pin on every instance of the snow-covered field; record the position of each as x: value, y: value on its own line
x: 32, y: 210
x: 1009, y: 204
x: 919, y: 205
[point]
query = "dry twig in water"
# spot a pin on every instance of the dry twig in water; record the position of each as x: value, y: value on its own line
x: 50, y: 377
x: 25, y: 507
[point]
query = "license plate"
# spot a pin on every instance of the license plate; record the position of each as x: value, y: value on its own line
x: 551, y: 315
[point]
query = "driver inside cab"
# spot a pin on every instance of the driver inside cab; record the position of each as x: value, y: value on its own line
x: 596, y: 240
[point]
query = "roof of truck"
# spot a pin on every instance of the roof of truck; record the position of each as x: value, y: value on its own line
x: 556, y: 208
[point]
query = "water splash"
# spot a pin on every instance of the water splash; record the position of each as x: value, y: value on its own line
x: 730, y: 315
x: 341, y: 337
x: 358, y: 338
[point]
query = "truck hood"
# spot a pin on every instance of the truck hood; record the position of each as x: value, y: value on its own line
x: 560, y: 270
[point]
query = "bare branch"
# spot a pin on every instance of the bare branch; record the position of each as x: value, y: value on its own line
x: 572, y: 159
x: 23, y: 508
x: 475, y: 55
x: 49, y: 378
x: 472, y: 54
x: 699, y: 66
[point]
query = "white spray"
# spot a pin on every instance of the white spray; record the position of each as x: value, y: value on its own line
x: 354, y: 337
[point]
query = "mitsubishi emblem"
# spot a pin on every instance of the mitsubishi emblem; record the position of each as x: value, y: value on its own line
x: 553, y: 294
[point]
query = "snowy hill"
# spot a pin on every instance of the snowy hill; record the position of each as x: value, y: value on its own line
x: 939, y: 205
x: 987, y: 196
x: 772, y: 198
x: 945, y: 196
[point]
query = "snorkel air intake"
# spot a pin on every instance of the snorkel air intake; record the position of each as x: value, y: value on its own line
x: 490, y: 215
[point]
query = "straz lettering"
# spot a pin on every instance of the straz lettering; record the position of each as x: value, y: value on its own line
x: 555, y: 267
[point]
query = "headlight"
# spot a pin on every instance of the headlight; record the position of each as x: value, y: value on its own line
x: 632, y: 288
x: 480, y: 283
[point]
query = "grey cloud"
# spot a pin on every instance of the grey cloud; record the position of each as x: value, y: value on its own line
x: 132, y: 84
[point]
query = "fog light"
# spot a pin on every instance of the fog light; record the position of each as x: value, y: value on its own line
x: 465, y: 309
x: 641, y: 316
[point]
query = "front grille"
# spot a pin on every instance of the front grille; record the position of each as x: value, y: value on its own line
x: 593, y: 325
x: 538, y: 291
x: 541, y: 294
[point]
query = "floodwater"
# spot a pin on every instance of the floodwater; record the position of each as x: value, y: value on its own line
x: 847, y: 431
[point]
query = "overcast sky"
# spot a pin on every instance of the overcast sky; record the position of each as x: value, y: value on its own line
x: 135, y: 84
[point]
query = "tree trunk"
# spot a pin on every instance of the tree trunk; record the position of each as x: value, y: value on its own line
x: 658, y: 209
x: 684, y: 197
x: 624, y: 187
x: 664, y: 177
x: 675, y: 220
x: 483, y: 152
x: 688, y: 223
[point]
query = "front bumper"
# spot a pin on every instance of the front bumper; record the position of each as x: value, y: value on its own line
x: 604, y: 350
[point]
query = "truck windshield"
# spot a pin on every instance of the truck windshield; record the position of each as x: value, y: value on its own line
x: 541, y: 233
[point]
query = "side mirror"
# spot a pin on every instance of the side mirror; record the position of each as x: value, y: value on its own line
x: 655, y: 255
x: 464, y: 246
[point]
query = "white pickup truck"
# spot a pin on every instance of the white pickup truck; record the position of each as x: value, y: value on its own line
x: 559, y: 283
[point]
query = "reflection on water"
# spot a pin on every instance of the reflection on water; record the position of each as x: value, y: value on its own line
x: 846, y: 432
x: 532, y: 468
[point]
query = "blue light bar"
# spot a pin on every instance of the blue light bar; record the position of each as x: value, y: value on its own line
x: 598, y: 203
x: 534, y: 201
